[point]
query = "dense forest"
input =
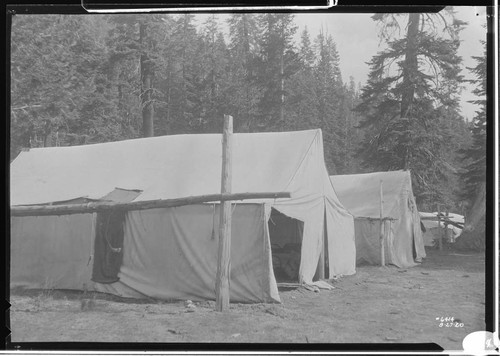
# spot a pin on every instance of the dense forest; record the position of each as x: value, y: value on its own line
x: 86, y: 79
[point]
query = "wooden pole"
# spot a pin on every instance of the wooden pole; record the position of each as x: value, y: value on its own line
x: 68, y: 209
x: 439, y: 229
x: 321, y: 265
x: 382, y: 242
x: 224, y: 257
x: 445, y: 221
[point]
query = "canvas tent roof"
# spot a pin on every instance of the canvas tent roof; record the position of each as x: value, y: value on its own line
x: 165, y: 167
x: 360, y: 195
x: 169, y: 167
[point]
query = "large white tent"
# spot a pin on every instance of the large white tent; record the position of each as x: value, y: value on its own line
x: 360, y: 194
x: 172, y: 252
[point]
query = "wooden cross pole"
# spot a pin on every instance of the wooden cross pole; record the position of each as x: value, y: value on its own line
x: 382, y: 242
x: 99, y: 206
x: 224, y: 256
x: 439, y: 228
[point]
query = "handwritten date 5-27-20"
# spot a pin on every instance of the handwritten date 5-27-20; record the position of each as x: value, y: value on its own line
x: 449, y: 322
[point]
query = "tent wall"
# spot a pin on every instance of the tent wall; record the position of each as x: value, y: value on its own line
x: 418, y: 235
x: 52, y: 251
x: 168, y: 254
x: 367, y: 241
x: 402, y: 239
x: 341, y: 241
x: 360, y: 193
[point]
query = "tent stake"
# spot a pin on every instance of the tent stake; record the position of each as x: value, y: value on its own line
x: 224, y: 257
x: 382, y: 242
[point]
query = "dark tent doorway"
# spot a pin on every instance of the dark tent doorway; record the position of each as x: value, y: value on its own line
x: 285, y: 234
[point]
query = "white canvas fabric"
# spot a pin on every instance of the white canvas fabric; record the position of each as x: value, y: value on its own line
x: 360, y: 195
x: 171, y: 167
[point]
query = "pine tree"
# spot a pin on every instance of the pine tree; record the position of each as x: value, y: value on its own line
x: 302, y: 108
x: 183, y: 96
x: 135, y: 43
x: 278, y: 61
x: 242, y: 91
x: 475, y: 156
x: 474, y: 174
x: 328, y: 90
x: 410, y: 84
x: 56, y: 69
x: 212, y: 77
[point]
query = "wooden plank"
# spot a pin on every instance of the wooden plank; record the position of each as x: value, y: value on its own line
x: 382, y: 242
x: 387, y: 218
x: 68, y: 209
x: 224, y: 256
x: 445, y: 219
x: 288, y: 285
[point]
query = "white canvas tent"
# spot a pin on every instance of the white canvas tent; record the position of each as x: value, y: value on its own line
x: 360, y: 194
x: 434, y: 229
x: 172, y: 252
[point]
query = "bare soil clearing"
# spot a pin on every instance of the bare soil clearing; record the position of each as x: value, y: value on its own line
x: 376, y: 305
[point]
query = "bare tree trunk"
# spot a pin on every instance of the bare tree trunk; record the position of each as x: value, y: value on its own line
x: 282, y: 77
x: 410, y: 68
x: 147, y: 78
x: 473, y: 235
x: 411, y: 65
x: 169, y: 98
x: 478, y: 209
x: 47, y: 134
x: 282, y: 92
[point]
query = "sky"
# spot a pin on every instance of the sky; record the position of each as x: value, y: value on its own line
x: 356, y: 37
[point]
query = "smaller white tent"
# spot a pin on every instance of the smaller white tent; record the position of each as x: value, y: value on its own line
x: 360, y: 194
x: 434, y: 229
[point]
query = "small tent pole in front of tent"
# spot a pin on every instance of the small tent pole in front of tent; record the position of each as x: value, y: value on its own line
x: 445, y: 232
x: 439, y: 228
x: 382, y: 243
x: 224, y: 256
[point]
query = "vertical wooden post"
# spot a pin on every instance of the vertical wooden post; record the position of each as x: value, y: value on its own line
x: 382, y: 242
x: 321, y: 265
x: 439, y: 228
x: 224, y: 256
x: 447, y: 214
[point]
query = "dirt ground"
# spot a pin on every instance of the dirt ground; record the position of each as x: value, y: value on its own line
x: 376, y: 305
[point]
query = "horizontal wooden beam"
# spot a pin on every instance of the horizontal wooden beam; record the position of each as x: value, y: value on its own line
x: 375, y: 219
x: 444, y: 220
x: 68, y: 209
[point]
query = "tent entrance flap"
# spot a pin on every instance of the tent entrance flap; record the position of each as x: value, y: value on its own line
x: 322, y: 271
x: 285, y: 234
x: 108, y: 246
